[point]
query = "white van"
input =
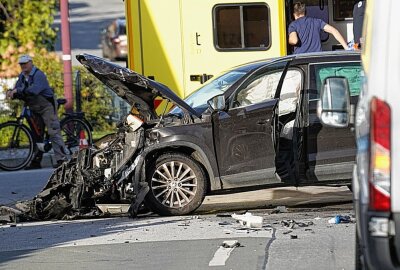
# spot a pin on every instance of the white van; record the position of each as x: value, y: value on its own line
x: 376, y: 177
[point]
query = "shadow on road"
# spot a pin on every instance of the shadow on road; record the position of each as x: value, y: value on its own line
x: 28, y: 238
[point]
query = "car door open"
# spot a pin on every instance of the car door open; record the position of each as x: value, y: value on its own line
x: 330, y: 151
x: 243, y: 133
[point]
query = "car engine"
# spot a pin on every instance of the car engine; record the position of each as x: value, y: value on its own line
x: 103, y: 173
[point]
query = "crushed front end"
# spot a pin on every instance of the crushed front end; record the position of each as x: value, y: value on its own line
x: 103, y: 174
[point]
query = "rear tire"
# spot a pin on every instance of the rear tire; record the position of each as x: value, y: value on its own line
x: 16, y: 146
x: 71, y: 130
x: 177, y: 184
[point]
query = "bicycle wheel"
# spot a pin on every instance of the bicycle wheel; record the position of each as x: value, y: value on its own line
x: 16, y: 146
x: 76, y: 134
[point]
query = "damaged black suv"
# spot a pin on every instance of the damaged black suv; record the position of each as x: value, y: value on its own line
x: 255, y: 125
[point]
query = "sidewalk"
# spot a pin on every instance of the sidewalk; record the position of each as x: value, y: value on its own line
x: 302, y: 197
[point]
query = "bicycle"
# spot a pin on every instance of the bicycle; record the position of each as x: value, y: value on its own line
x: 18, y: 141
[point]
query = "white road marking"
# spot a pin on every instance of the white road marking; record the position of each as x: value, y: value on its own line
x: 223, y: 253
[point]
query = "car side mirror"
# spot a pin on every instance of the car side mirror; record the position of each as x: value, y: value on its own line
x: 217, y: 103
x: 334, y: 104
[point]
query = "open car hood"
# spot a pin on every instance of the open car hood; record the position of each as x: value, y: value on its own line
x: 136, y: 89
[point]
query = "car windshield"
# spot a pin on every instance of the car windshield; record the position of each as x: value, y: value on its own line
x: 198, y: 99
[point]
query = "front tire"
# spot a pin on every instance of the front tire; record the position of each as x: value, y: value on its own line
x: 16, y: 146
x: 177, y: 184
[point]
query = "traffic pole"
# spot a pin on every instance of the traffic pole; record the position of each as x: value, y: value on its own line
x: 66, y: 55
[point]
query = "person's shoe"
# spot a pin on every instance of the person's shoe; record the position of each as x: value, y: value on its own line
x: 33, y: 166
x: 58, y: 163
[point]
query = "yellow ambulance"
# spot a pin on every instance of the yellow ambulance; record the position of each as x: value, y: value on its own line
x: 182, y: 43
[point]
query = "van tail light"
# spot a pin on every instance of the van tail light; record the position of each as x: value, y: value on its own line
x: 380, y: 163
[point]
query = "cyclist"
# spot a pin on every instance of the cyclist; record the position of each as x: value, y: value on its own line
x: 32, y: 87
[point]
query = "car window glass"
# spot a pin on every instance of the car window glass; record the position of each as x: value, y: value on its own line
x: 290, y: 91
x: 319, y: 72
x: 260, y: 87
x: 198, y: 99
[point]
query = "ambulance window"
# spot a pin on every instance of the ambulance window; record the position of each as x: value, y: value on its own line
x: 242, y: 27
x: 343, y: 10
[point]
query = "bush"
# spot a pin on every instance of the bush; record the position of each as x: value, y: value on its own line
x: 26, y: 28
x: 96, y: 101
x: 24, y: 21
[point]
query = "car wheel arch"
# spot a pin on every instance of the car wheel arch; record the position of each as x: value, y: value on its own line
x: 169, y: 193
x: 193, y: 151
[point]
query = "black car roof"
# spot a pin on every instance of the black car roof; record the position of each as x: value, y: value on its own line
x: 305, y: 57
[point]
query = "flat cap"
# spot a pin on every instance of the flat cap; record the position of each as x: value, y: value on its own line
x: 24, y: 59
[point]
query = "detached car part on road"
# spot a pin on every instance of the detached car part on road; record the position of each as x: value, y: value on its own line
x: 256, y: 125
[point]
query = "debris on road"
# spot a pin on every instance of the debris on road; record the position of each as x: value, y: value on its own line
x: 222, y: 254
x: 291, y: 224
x: 288, y: 223
x: 230, y: 244
x: 280, y: 209
x: 340, y: 219
x: 223, y: 223
x: 9, y: 215
x: 249, y: 220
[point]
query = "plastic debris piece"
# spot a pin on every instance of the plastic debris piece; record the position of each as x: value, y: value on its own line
x: 340, y: 219
x: 249, y: 220
x: 230, y: 244
x: 290, y: 223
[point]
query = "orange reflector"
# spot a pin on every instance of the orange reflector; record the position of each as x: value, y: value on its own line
x: 157, y: 103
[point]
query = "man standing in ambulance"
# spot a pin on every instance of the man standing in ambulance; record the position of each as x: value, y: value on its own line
x: 304, y: 32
